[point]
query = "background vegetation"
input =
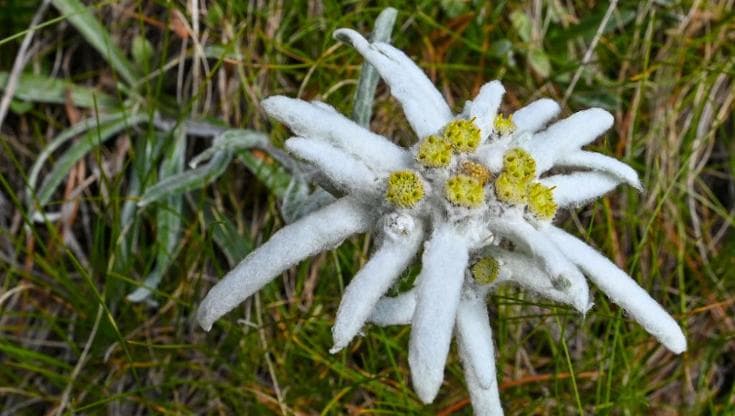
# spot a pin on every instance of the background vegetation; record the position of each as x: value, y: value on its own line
x: 107, y: 101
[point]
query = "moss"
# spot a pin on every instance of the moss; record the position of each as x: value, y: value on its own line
x: 503, y: 125
x: 485, y: 270
x: 434, y: 152
x: 405, y: 189
x: 541, y: 201
x: 463, y: 135
x: 465, y: 191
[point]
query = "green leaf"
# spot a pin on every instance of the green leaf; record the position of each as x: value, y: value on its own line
x: 271, y: 174
x: 59, y: 140
x: 234, y: 245
x: 362, y: 110
x: 219, y: 156
x: 142, y: 51
x: 188, y: 180
x: 522, y: 24
x: 539, y: 61
x: 84, y: 21
x: 43, y: 89
x: 78, y: 150
x: 168, y: 220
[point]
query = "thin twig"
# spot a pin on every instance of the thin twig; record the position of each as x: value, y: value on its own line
x: 20, y: 62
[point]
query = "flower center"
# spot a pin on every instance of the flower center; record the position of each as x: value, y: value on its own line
x: 464, y: 191
x: 405, y: 189
x: 504, y: 125
x: 485, y: 270
x: 434, y: 152
x: 463, y: 135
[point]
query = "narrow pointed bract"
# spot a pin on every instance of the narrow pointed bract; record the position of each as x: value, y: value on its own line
x: 536, y: 115
x: 438, y: 292
x: 424, y: 106
x: 310, y: 235
x: 376, y: 277
x: 623, y: 290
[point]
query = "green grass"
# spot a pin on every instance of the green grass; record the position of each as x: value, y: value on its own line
x: 71, y: 343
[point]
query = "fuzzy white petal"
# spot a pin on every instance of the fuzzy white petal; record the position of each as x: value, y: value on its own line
x: 600, y: 162
x: 375, y: 278
x: 622, y: 289
x: 485, y: 399
x: 534, y: 116
x: 423, y: 105
x: 319, y: 231
x: 473, y: 328
x: 318, y: 121
x: 485, y: 106
x: 567, y: 135
x: 396, y: 310
x: 579, y: 188
x: 491, y: 153
x: 524, y: 271
x: 438, y: 292
x: 561, y: 270
x: 340, y: 167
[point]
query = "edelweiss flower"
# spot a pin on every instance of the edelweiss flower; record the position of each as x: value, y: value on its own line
x: 472, y: 183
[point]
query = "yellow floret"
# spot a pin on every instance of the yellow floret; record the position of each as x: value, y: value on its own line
x: 510, y: 190
x: 541, y: 201
x: 464, y: 191
x: 463, y: 135
x: 504, y: 125
x: 486, y: 270
x: 434, y: 152
x: 405, y: 189
x: 476, y: 170
x: 519, y: 165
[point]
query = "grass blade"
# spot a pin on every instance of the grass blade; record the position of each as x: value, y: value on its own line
x: 78, y: 150
x: 43, y: 89
x: 92, y: 30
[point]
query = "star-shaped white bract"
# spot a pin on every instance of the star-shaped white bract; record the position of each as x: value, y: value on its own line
x: 475, y: 191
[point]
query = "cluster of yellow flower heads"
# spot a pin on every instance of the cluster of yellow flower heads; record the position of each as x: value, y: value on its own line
x: 516, y: 185
x: 466, y: 188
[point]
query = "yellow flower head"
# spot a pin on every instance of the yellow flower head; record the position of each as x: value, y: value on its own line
x: 476, y: 170
x: 434, y: 152
x: 541, y: 201
x: 504, y: 125
x: 486, y: 270
x: 510, y: 190
x: 463, y: 135
x: 405, y: 189
x: 464, y: 191
x: 519, y: 165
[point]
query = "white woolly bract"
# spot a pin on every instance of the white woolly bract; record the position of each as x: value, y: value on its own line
x: 319, y: 231
x: 561, y: 270
x: 536, y: 115
x: 319, y: 121
x: 370, y: 283
x: 438, y: 291
x: 485, y: 400
x: 423, y: 105
x: 484, y: 107
x: 567, y: 135
x: 600, y: 162
x: 525, y: 272
x: 622, y: 289
x: 396, y: 310
x: 341, y: 168
x: 579, y: 188
x: 473, y: 328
